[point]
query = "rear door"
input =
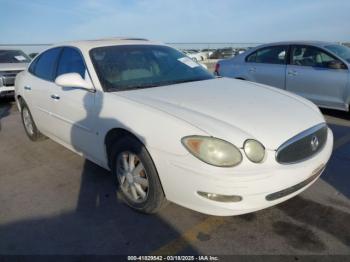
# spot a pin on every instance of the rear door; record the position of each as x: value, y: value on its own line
x: 73, y: 109
x: 310, y: 74
x: 268, y: 65
x: 39, y: 86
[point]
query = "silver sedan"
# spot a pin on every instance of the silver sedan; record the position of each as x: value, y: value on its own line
x: 318, y: 71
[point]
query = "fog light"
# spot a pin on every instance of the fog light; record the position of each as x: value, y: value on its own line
x: 220, y: 198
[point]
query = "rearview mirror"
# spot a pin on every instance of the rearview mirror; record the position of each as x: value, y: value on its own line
x: 73, y: 80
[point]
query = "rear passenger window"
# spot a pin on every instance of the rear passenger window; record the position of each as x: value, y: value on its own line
x: 71, y: 62
x: 269, y: 55
x: 45, y: 64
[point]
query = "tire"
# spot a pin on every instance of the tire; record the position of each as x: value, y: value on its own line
x: 29, y: 125
x: 127, y: 154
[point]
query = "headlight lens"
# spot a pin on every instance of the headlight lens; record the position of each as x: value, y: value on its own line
x: 213, y: 151
x: 254, y: 150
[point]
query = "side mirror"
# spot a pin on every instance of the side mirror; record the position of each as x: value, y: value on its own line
x: 73, y: 80
x: 335, y: 64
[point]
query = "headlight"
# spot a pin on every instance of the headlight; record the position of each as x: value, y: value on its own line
x: 213, y: 151
x: 254, y: 150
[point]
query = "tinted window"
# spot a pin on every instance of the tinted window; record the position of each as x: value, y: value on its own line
x: 269, y: 55
x: 46, y: 64
x: 252, y: 58
x: 143, y: 66
x: 32, y: 66
x: 311, y: 56
x: 13, y: 56
x: 71, y: 62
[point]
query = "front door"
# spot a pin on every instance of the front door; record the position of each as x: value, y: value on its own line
x: 74, y: 108
x: 311, y: 74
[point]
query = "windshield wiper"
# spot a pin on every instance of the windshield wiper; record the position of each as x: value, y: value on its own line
x: 182, y: 81
x: 132, y: 87
x: 164, y: 83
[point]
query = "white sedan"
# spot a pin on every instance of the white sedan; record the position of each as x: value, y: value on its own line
x: 195, y: 56
x: 169, y: 131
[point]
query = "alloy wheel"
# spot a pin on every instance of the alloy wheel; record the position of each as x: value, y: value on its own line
x: 27, y: 120
x: 132, y: 177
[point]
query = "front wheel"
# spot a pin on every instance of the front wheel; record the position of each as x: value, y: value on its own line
x: 137, y: 177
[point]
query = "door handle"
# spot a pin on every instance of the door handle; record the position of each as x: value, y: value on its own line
x: 252, y: 69
x: 27, y: 88
x: 292, y: 73
x: 55, y: 97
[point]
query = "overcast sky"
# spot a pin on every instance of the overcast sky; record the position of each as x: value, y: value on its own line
x: 248, y: 21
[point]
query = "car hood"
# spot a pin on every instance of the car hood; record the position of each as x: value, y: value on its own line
x: 233, y: 110
x: 13, y: 66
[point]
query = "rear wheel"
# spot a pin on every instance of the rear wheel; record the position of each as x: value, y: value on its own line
x: 137, y: 177
x: 29, y: 126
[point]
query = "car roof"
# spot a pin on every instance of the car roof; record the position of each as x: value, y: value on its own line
x: 89, y: 44
x: 314, y: 43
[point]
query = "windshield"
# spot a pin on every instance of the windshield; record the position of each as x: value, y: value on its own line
x: 341, y: 51
x: 127, y: 67
x: 13, y: 56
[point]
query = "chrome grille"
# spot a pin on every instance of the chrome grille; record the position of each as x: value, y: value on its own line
x: 302, y: 146
x: 8, y: 77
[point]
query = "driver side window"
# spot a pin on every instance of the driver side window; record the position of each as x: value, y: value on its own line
x: 312, y: 57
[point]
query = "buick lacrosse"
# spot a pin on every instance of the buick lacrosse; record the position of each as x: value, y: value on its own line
x: 168, y: 130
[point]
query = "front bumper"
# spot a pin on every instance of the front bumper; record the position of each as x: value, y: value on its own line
x: 7, y: 90
x: 183, y: 176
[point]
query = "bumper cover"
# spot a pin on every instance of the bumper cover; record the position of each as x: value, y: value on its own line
x: 7, y: 90
x: 183, y: 176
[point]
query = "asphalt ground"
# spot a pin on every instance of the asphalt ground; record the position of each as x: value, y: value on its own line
x: 53, y: 201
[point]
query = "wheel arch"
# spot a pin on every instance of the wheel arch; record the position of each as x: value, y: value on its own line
x: 19, y: 102
x: 113, y: 135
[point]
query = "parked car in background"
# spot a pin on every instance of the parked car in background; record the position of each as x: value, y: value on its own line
x: 11, y: 63
x: 195, y: 55
x: 239, y: 51
x: 32, y: 55
x: 222, y: 53
x: 169, y: 130
x: 318, y: 71
x: 207, y: 52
